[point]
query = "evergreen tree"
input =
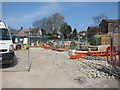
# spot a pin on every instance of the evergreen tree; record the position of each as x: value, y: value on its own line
x: 74, y: 34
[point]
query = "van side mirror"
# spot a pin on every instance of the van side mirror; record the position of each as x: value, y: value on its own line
x: 13, y: 39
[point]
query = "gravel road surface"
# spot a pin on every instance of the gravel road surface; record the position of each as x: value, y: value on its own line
x: 51, y: 69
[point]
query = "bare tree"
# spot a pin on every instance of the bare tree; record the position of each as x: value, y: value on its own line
x: 51, y: 24
x: 40, y: 23
x: 56, y: 20
x: 98, y: 19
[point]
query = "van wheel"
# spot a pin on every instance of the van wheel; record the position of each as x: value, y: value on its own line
x: 11, y: 63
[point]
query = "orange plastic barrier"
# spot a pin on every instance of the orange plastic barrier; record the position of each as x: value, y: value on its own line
x: 82, y: 53
x: 45, y: 46
x: 75, y: 56
x: 97, y: 53
x: 42, y: 44
x: 116, y: 55
x: 89, y: 53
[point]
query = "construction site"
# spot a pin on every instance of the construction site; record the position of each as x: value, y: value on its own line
x: 59, y: 44
x: 43, y: 63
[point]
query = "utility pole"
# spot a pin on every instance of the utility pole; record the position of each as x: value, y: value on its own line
x: 29, y: 61
x: 78, y: 44
x: 87, y: 39
x: 112, y: 27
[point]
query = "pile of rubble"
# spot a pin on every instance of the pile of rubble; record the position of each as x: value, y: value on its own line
x: 95, y: 68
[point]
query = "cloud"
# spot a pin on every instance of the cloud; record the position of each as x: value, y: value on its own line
x: 42, y: 11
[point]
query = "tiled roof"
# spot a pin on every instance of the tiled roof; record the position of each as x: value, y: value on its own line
x: 82, y: 31
x: 22, y: 32
x: 112, y: 20
x: 93, y: 26
x: 90, y: 27
x: 34, y: 30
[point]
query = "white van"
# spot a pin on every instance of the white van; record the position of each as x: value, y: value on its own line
x: 6, y: 45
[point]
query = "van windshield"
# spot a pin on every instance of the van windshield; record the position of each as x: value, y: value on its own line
x: 4, y: 34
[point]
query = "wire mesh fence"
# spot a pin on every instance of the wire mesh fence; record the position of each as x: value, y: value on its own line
x: 86, y: 41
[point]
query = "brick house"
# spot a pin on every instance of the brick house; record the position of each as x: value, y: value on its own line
x: 83, y: 38
x: 106, y: 26
x: 25, y: 32
x: 83, y: 33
